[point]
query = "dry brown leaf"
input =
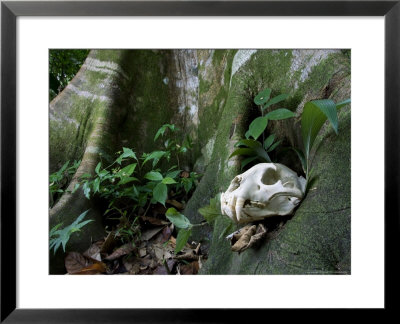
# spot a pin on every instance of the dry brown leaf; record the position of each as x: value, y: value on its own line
x: 123, y: 250
x: 153, y: 220
x: 142, y: 252
x: 176, y: 204
x: 189, y: 256
x: 185, y: 174
x: 94, y: 251
x: 149, y: 234
x: 247, y: 237
x: 191, y: 268
x: 95, y: 268
x: 164, y: 235
x: 75, y: 261
x: 109, y: 243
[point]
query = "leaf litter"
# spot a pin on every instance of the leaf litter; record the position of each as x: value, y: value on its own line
x: 152, y: 252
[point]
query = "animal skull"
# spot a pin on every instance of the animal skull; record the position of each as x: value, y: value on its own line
x: 266, y: 189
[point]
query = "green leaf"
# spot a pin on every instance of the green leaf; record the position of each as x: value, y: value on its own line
x: 127, y: 152
x: 268, y: 142
x: 60, y: 237
x: 243, y: 151
x: 98, y: 166
x: 86, y: 190
x: 314, y: 115
x: 279, y: 114
x: 343, y: 103
x: 276, y: 99
x: 96, y: 185
x: 154, y: 176
x: 273, y: 146
x: 249, y: 143
x: 181, y: 239
x: 177, y: 218
x: 168, y: 180
x: 262, y: 97
x: 173, y: 174
x: 187, y: 184
x: 258, y: 126
x: 302, y: 159
x: 162, y: 130
x: 247, y: 161
x: 263, y: 155
x: 127, y: 171
x: 75, y: 187
x: 155, y: 156
x: 212, y: 211
x: 160, y: 192
x: 126, y: 180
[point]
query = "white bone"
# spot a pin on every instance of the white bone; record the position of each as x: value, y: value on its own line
x: 266, y: 189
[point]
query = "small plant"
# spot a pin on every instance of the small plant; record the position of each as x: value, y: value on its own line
x: 314, y: 115
x: 251, y: 146
x: 60, y: 237
x: 60, y: 179
x: 210, y: 213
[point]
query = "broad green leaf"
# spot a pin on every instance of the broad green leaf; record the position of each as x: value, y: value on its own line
x: 212, y: 211
x: 96, y: 185
x: 314, y: 115
x: 162, y: 130
x: 177, y: 218
x: 187, y: 184
x: 154, y: 176
x: 249, y: 143
x: 160, y: 192
x: 258, y: 126
x: 75, y: 187
x: 268, y: 142
x: 127, y: 152
x: 263, y: 155
x: 247, y: 161
x: 275, y: 100
x: 300, y: 154
x: 173, y: 174
x: 181, y: 239
x: 243, y: 151
x: 273, y: 146
x: 127, y: 171
x: 168, y: 180
x: 85, y: 176
x: 343, y: 103
x: 86, y: 190
x: 63, y: 168
x: 155, y: 156
x: 279, y: 114
x: 126, y: 180
x: 262, y: 97
x: 98, y: 166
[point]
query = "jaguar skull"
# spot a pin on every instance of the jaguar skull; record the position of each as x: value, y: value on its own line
x: 266, y: 189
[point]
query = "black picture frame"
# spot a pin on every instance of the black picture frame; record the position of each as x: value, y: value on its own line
x: 10, y: 10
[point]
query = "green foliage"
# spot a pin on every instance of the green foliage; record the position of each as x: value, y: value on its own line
x: 251, y: 147
x: 184, y: 226
x: 59, y: 180
x: 315, y: 114
x: 212, y: 211
x: 60, y: 237
x: 63, y: 65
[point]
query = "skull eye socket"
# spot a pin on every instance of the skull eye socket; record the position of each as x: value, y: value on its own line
x: 270, y: 177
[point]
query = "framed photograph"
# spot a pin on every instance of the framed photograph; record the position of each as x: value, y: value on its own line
x: 222, y: 149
